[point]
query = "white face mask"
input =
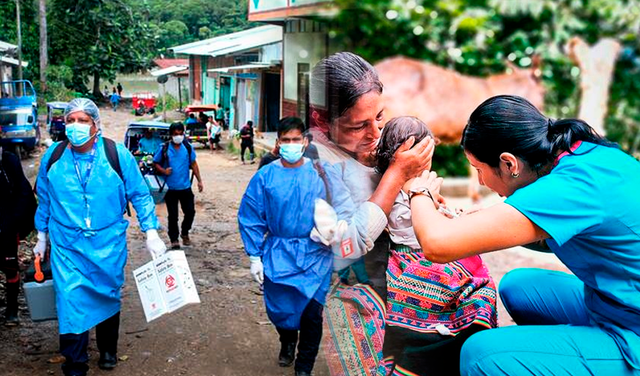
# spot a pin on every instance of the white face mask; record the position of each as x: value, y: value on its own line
x: 178, y: 139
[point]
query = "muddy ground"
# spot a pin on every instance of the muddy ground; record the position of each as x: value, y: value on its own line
x: 228, y: 333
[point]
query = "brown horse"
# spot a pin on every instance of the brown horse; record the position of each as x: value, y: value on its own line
x: 444, y: 99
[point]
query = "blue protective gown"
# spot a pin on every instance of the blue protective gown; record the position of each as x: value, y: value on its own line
x: 88, y: 261
x: 276, y: 219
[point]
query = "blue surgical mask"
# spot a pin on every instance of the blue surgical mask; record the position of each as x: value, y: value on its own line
x: 291, y: 153
x: 78, y: 133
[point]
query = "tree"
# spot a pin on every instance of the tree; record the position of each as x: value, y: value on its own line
x: 99, y: 39
x: 30, y: 33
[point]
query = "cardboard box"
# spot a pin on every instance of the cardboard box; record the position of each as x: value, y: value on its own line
x: 165, y: 285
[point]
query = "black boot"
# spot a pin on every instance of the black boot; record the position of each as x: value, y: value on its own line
x: 107, y: 361
x: 287, y: 354
x: 11, y: 313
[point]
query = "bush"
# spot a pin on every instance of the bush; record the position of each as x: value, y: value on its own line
x: 59, y: 79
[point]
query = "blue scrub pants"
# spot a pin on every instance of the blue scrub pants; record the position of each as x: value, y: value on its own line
x: 553, y: 336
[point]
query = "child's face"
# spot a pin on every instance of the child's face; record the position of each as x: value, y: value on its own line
x: 292, y: 137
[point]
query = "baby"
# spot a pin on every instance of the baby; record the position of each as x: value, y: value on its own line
x: 429, y: 305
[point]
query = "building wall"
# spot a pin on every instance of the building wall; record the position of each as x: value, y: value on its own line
x: 300, y: 48
x: 5, y: 72
x: 305, y: 42
x: 195, y: 79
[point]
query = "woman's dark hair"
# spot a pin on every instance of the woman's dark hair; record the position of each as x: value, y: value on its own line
x: 508, y: 123
x: 395, y: 133
x: 290, y: 123
x: 341, y: 79
x: 177, y: 126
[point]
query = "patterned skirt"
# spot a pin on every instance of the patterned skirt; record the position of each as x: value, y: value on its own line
x: 428, y: 308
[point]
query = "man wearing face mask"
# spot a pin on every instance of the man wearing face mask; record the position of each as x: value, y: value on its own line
x: 174, y: 160
x: 83, y: 187
x: 310, y: 151
x: 276, y: 219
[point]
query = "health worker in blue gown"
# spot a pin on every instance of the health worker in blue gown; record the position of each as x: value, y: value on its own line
x: 276, y: 219
x: 82, y: 199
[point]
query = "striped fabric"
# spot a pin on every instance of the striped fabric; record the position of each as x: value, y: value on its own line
x: 355, y: 322
x: 422, y: 296
x: 443, y: 298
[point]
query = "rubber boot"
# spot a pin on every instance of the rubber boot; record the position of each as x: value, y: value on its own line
x: 11, y: 313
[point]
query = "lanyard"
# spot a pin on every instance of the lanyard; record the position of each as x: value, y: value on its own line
x: 83, y: 182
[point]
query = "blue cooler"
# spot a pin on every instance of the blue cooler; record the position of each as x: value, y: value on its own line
x: 38, y: 289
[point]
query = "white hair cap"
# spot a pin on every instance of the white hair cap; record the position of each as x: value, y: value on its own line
x: 85, y: 105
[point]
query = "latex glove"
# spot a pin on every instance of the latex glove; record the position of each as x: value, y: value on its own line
x: 257, y: 269
x: 155, y: 245
x: 326, y: 221
x: 41, y: 245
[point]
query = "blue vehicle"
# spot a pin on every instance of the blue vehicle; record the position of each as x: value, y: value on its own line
x: 55, y: 120
x: 159, y: 132
x: 18, y: 115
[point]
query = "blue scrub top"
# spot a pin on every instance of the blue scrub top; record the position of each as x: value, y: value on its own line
x: 590, y: 206
x: 179, y: 162
x: 149, y: 145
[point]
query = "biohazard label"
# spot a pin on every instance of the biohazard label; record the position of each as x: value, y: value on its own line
x: 170, y: 282
x: 346, y: 247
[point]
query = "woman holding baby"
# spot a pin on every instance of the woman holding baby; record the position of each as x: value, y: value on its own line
x: 415, y: 315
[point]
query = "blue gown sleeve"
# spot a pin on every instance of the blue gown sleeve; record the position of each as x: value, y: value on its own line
x: 252, y: 218
x: 366, y: 221
x: 137, y: 191
x: 42, y: 190
x: 340, y: 196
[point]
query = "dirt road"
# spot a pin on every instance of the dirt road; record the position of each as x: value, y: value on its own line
x: 228, y: 333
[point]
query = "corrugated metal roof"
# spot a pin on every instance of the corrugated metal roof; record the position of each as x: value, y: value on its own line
x: 235, y: 42
x: 169, y: 70
x: 242, y: 67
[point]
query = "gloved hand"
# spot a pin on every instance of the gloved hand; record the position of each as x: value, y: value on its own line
x: 155, y: 245
x: 328, y: 229
x: 41, y: 245
x: 257, y: 269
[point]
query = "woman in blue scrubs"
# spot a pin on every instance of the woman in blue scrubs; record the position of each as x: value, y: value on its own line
x: 565, y: 185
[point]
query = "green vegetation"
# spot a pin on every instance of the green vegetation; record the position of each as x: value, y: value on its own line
x: 479, y: 37
x: 97, y: 39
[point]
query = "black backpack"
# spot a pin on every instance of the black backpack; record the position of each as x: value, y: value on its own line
x: 165, y: 152
x: 164, y: 159
x: 109, y: 149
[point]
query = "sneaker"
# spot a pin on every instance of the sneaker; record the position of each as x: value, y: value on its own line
x: 175, y: 244
x: 186, y: 241
x: 107, y: 361
x: 287, y: 354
